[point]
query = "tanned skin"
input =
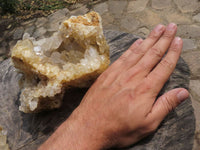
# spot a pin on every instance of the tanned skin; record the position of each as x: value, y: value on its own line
x: 121, y: 108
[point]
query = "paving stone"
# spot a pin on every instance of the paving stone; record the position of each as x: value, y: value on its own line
x: 1, y: 58
x: 196, y: 17
x: 75, y: 6
x: 189, y: 31
x: 30, y: 30
x: 112, y: 27
x: 143, y: 32
x: 39, y: 33
x: 58, y: 15
x: 12, y: 44
x: 178, y: 18
x: 195, y: 98
x: 107, y: 19
x: 8, y: 34
x: 28, y: 22
x: 55, y: 19
x: 9, y: 26
x: 41, y: 21
x: 101, y: 8
x: 137, y: 5
x: 194, y: 87
x: 1, y: 39
x: 117, y: 7
x: 129, y: 23
x: 3, y: 48
x: 192, y: 59
x: 196, y: 144
x: 18, y: 33
x: 187, y: 5
x: 161, y: 4
x: 189, y: 44
x: 2, y: 51
x: 150, y: 18
x: 80, y: 11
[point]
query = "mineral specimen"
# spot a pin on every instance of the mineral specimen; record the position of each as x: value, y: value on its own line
x: 73, y: 57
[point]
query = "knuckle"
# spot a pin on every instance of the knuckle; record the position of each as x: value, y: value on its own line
x: 138, y: 51
x: 156, y: 51
x: 153, y: 35
x: 158, y: 75
x: 119, y: 82
x: 132, y: 73
x: 143, y: 88
x: 168, y: 104
x: 167, y: 35
x: 125, y: 78
x: 131, y: 49
x: 147, y: 86
x: 131, y: 94
x: 167, y: 64
x: 122, y: 58
x: 174, y: 48
x: 151, y: 127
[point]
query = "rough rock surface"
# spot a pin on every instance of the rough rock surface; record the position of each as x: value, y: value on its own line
x: 28, y: 131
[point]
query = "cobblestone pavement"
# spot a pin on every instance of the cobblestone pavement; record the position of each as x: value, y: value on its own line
x: 132, y: 16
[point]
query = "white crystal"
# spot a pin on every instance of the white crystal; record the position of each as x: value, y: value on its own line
x: 33, y: 104
x: 37, y: 50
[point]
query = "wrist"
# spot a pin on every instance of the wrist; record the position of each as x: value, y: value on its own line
x: 85, y: 132
x: 75, y: 133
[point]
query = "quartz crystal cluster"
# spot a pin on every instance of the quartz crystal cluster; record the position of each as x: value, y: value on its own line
x: 73, y: 57
x: 3, y: 140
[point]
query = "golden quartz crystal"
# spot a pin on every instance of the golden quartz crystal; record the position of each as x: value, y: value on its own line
x: 73, y: 57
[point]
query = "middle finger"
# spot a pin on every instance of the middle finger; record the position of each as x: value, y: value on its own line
x: 155, y: 54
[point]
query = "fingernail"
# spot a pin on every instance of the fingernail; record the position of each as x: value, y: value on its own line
x: 139, y: 41
x: 159, y: 28
x: 171, y: 26
x: 182, y: 95
x: 177, y: 40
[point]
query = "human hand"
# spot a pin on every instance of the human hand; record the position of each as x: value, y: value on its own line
x: 121, y: 107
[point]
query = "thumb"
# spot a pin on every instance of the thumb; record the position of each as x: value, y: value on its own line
x: 167, y: 103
